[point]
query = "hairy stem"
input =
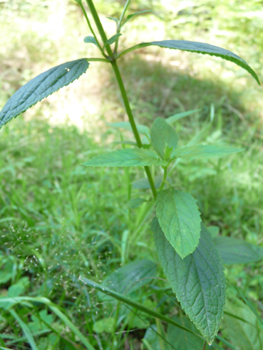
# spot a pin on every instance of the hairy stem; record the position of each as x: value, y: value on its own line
x: 122, y: 89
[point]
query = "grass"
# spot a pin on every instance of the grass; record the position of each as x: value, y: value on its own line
x: 59, y: 220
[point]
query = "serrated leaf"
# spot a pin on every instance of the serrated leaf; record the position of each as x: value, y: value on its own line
x: 142, y: 129
x: 197, y: 280
x: 114, y: 38
x: 126, y: 157
x: 203, y: 48
x: 90, y: 40
x: 181, y: 115
x: 204, y: 151
x: 182, y: 339
x: 179, y: 219
x: 237, y: 251
x: 245, y: 335
x: 42, y: 86
x: 162, y: 135
x: 136, y: 305
x: 130, y: 277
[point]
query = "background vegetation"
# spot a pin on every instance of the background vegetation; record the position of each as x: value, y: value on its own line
x: 59, y: 220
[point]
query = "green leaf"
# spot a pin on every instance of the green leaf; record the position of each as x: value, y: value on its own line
x: 179, y: 219
x: 91, y: 40
x: 142, y: 129
x: 143, y: 184
x: 133, y: 303
x: 203, y: 48
x: 237, y: 251
x: 25, y: 329
x: 178, y: 116
x: 162, y: 135
x: 136, y: 202
x: 135, y: 14
x: 4, y: 301
x: 131, y: 277
x: 204, y: 151
x: 182, y: 339
x: 105, y: 325
x: 152, y: 338
x: 42, y: 86
x: 113, y: 19
x: 126, y: 157
x: 114, y: 38
x: 198, y: 280
x: 214, y: 231
x: 250, y: 305
x: 19, y: 288
x: 247, y: 335
x: 36, y: 324
x: 7, y: 268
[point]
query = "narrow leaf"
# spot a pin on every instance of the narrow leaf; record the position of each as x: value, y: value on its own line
x: 25, y: 329
x: 114, y: 38
x: 163, y: 135
x: 42, y: 86
x: 181, y: 115
x: 237, y: 251
x: 142, y: 129
x: 179, y: 219
x: 90, y: 40
x: 198, y: 280
x: 204, y: 151
x: 126, y: 157
x: 135, y: 14
x: 71, y: 326
x: 203, y: 48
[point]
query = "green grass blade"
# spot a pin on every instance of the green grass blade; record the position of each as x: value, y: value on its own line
x: 135, y: 304
x: 25, y: 329
x: 71, y: 326
x: 141, y: 307
x: 47, y: 302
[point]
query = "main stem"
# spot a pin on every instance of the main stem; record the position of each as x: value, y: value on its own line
x: 131, y: 120
x: 122, y: 88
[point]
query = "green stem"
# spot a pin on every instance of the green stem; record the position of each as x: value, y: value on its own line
x: 123, y: 14
x: 89, y: 25
x: 164, y: 178
x: 122, y: 89
x: 99, y: 27
x: 131, y: 120
x: 120, y: 23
